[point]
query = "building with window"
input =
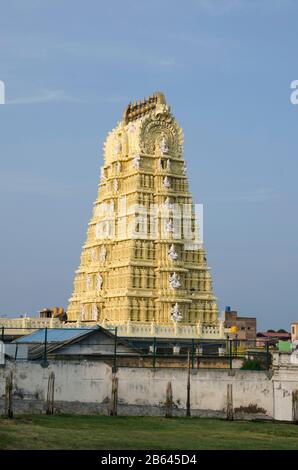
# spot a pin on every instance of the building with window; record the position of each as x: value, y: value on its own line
x: 245, y: 328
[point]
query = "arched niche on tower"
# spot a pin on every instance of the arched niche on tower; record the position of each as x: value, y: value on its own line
x: 157, y: 128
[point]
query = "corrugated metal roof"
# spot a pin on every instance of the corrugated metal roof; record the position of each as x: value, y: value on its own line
x: 59, y: 337
x: 55, y: 335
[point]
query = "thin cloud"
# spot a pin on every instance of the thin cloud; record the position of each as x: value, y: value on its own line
x: 171, y: 62
x: 59, y: 96
x: 44, y: 96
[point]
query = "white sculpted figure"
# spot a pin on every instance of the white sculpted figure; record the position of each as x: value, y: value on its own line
x: 159, y: 164
x: 169, y: 164
x: 172, y: 253
x: 118, y: 167
x: 103, y: 253
x: 131, y: 127
x: 99, y: 281
x: 170, y: 226
x: 176, y: 315
x: 106, y: 229
x: 166, y: 182
x: 168, y: 204
x: 175, y: 281
x: 136, y: 162
x: 163, y: 145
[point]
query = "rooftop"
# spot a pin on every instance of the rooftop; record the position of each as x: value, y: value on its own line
x: 138, y: 108
x: 55, y: 335
x: 275, y: 334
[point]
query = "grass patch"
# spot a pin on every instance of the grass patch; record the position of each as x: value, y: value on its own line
x: 110, y: 433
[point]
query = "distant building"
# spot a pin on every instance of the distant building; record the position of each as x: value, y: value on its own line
x: 294, y: 331
x: 55, y: 312
x: 273, y: 337
x: 244, y: 327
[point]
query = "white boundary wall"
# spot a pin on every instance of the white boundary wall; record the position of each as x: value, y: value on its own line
x: 85, y: 387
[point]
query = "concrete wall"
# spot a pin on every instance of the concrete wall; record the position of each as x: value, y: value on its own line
x: 75, y: 382
x: 85, y: 387
x: 147, y: 387
x: 285, y: 384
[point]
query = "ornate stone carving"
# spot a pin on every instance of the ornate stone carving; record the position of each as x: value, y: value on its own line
x: 172, y: 253
x: 149, y: 138
x: 131, y: 127
x: 158, y: 125
x: 107, y: 229
x: 117, y: 147
x: 94, y: 312
x: 88, y: 282
x: 168, y: 204
x: 103, y: 176
x: 176, y: 314
x: 99, y: 282
x: 164, y: 145
x: 115, y: 185
x: 97, y: 231
x: 103, y: 253
x: 136, y: 162
x: 170, y: 226
x: 97, y: 210
x: 83, y: 313
x: 175, y: 281
x: 137, y: 110
x: 93, y: 254
x: 166, y: 182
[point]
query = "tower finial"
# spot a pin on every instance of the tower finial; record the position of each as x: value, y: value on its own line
x: 161, y: 99
x: 137, y: 108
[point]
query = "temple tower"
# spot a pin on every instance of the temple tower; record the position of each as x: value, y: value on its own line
x: 143, y: 267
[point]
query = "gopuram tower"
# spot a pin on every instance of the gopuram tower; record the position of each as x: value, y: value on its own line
x: 143, y: 267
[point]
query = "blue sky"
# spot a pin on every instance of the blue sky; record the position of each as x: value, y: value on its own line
x: 225, y: 67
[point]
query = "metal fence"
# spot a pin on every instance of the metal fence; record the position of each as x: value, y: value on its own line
x: 46, y: 344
